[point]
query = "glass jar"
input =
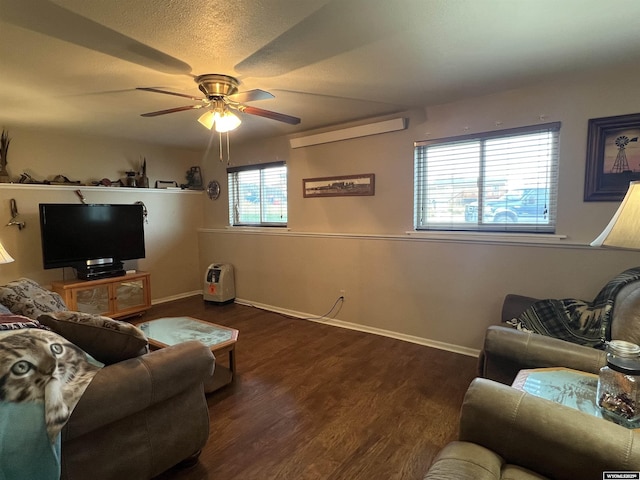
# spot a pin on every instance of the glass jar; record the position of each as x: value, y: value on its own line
x: 131, y: 179
x: 618, y: 392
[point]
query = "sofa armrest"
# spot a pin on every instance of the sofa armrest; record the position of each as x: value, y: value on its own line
x: 130, y: 386
x: 543, y: 436
x: 508, y: 350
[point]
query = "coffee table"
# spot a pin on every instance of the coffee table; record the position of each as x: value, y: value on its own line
x: 164, y: 332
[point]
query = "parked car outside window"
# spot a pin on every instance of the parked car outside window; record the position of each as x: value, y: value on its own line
x: 516, y: 206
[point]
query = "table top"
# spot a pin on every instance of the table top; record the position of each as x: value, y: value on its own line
x: 572, y: 388
x: 173, y: 330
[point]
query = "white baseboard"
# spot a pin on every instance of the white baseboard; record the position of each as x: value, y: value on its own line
x: 176, y: 297
x: 471, y: 352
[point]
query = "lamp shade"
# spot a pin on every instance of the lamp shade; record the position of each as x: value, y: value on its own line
x: 4, y: 255
x: 227, y: 122
x: 623, y: 230
x: 207, y: 119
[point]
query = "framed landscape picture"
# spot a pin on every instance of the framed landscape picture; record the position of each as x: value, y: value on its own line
x: 613, y: 157
x: 345, y: 186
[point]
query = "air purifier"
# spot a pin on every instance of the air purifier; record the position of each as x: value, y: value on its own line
x: 219, y: 285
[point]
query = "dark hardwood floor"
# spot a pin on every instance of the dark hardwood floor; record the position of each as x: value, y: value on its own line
x: 313, y: 401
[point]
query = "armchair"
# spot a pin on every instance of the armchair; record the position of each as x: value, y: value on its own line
x: 505, y: 433
x: 507, y: 350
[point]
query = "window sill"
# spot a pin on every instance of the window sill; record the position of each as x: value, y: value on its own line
x: 264, y: 228
x: 487, y: 237
x: 482, y: 238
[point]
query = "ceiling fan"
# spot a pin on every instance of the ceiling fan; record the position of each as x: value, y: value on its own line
x: 220, y: 97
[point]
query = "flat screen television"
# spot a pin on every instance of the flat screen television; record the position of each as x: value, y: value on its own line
x: 93, y: 239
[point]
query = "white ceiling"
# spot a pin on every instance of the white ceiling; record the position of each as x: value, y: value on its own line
x: 76, y: 63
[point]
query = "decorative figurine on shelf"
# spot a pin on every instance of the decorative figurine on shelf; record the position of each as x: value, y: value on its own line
x: 105, y: 182
x: 143, y: 180
x: 26, y: 178
x: 62, y: 180
x: 4, y: 149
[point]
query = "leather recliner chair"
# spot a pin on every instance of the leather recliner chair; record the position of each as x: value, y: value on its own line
x: 509, y: 434
x: 507, y: 350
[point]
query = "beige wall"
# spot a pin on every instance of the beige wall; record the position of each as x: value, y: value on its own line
x: 440, y: 292
x: 174, y: 216
x: 44, y: 154
x: 436, y: 292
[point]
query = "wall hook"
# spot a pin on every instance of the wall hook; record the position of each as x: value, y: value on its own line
x: 14, y: 213
x: 81, y: 197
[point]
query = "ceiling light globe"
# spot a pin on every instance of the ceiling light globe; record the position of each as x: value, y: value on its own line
x: 227, y: 122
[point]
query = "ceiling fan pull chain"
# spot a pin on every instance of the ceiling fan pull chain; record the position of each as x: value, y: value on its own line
x: 220, y: 143
x: 228, y: 151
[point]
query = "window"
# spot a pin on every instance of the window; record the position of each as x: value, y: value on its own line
x: 258, y: 195
x: 502, y: 181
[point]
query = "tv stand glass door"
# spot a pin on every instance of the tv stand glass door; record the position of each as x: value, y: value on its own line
x: 114, y: 297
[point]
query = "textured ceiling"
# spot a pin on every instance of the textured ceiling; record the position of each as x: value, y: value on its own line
x: 76, y: 63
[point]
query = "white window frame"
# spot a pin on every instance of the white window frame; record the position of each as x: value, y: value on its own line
x: 485, y: 219
x: 238, y: 205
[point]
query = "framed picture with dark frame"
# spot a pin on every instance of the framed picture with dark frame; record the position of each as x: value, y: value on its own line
x: 339, y: 186
x: 194, y: 179
x: 613, y: 157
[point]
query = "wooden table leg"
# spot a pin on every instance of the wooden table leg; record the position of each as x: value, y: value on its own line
x: 232, y: 361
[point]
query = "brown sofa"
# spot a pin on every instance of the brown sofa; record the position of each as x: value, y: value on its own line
x: 140, y: 417
x: 507, y: 350
x: 142, y: 413
x: 508, y: 434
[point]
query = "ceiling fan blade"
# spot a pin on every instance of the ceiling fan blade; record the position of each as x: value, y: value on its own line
x: 280, y: 117
x: 171, y: 110
x: 155, y: 90
x: 339, y: 98
x: 45, y: 17
x: 351, y: 28
x: 250, y: 96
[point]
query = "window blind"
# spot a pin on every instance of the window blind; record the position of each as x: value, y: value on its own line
x: 258, y: 195
x: 503, y: 181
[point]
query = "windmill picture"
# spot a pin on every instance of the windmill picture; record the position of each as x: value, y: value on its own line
x: 613, y: 157
x: 621, y: 164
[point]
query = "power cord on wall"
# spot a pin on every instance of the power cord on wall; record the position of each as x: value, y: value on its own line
x: 338, y: 303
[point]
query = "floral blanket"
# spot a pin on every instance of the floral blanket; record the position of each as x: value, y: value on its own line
x: 42, y: 377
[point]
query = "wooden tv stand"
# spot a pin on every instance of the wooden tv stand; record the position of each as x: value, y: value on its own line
x: 114, y: 297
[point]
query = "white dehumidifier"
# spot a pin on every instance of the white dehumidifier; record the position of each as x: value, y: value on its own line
x: 219, y: 284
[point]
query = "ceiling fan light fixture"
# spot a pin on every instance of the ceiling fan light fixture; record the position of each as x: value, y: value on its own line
x: 207, y: 119
x: 226, y: 122
x: 221, y: 93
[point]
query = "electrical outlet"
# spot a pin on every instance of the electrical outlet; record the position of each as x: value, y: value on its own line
x: 343, y: 293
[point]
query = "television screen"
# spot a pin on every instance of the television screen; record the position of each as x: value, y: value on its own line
x: 75, y: 234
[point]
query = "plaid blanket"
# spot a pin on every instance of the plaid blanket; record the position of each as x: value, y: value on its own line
x: 577, y: 321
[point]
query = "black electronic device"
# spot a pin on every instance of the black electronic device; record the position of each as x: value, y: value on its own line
x: 92, y: 238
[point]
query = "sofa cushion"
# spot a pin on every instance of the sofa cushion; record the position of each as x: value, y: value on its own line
x: 105, y: 339
x: 26, y: 297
